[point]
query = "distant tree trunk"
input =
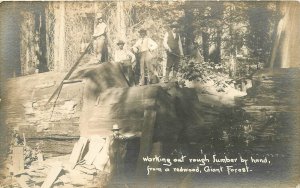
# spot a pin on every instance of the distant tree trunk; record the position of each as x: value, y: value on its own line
x: 10, y: 65
x: 121, y: 20
x: 218, y: 45
x: 232, y: 46
x: 27, y: 56
x: 59, y: 37
x: 188, y: 30
x: 218, y: 31
x: 259, y: 28
x: 205, y: 45
x: 214, y: 46
x: 133, y: 15
x: 43, y: 65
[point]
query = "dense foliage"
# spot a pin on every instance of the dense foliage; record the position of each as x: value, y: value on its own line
x: 237, y: 36
x: 231, y: 38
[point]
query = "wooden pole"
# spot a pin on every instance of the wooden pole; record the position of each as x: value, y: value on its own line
x: 70, y: 72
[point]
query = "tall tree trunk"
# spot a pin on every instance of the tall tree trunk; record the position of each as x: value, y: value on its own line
x: 188, y: 30
x: 286, y: 49
x: 219, y: 17
x: 218, y: 45
x: 121, y: 20
x: 42, y: 43
x: 59, y: 37
x: 205, y: 45
x: 232, y: 50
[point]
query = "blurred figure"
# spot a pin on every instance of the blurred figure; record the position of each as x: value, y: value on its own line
x: 126, y: 60
x: 144, y: 48
x: 100, y: 38
x: 173, y: 46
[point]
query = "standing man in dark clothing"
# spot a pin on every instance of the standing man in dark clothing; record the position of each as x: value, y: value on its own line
x: 172, y: 44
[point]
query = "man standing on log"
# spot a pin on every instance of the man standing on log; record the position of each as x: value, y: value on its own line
x: 172, y: 44
x: 126, y: 60
x: 100, y: 38
x: 144, y: 48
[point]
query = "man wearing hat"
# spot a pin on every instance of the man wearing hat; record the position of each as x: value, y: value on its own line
x: 173, y: 46
x: 143, y: 47
x: 126, y: 60
x: 99, y: 37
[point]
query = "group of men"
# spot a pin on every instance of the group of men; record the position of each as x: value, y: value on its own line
x: 141, y: 54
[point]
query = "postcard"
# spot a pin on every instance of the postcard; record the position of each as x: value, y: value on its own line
x: 149, y: 94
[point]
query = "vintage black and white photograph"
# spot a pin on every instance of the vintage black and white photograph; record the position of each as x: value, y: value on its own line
x: 158, y: 94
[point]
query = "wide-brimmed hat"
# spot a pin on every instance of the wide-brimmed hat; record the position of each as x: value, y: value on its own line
x: 142, y: 31
x: 120, y: 42
x: 115, y: 127
x: 174, y: 25
x: 99, y: 15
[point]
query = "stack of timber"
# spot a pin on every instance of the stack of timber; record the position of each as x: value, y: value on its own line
x: 25, y: 109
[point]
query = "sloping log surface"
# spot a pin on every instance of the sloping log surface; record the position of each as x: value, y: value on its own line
x: 97, y: 78
x: 176, y: 111
x: 125, y: 106
x: 108, y: 100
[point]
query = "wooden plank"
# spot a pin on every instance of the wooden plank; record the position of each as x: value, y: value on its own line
x: 18, y: 159
x: 21, y: 181
x: 101, y: 161
x: 146, y: 140
x: 58, y: 89
x: 54, y: 172
x: 77, y: 151
x: 95, y: 146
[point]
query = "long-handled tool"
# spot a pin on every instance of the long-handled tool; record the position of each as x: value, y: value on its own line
x: 58, y: 89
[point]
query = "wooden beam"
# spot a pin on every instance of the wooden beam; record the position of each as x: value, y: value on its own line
x: 52, y: 176
x: 21, y: 181
x: 58, y: 89
x: 18, y: 159
x: 95, y: 146
x: 77, y: 151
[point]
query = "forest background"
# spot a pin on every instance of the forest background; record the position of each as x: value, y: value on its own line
x: 232, y: 38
